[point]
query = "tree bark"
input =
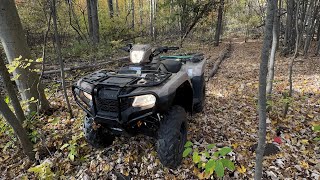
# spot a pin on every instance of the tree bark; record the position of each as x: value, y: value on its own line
x: 298, y: 37
x: 289, y: 26
x: 141, y: 12
x: 110, y: 5
x: 132, y: 11
x: 311, y: 26
x: 275, y: 35
x: 15, y: 45
x: 262, y: 101
x: 11, y: 91
x: 117, y: 8
x: 223, y: 55
x: 93, y: 21
x: 219, y: 24
x: 58, y: 50
x: 26, y: 144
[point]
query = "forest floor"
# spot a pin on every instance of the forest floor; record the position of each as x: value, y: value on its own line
x: 229, y: 119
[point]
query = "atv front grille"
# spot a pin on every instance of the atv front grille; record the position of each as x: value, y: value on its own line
x: 110, y: 105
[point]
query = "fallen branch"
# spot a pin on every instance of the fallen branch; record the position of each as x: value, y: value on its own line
x: 85, y: 66
x: 223, y: 55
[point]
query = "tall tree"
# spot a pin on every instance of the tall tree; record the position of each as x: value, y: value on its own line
x: 288, y: 40
x: 219, y: 23
x: 15, y: 45
x: 14, y: 122
x: 132, y: 11
x: 58, y: 50
x: 152, y: 19
x: 262, y: 101
x: 11, y: 92
x: 275, y: 36
x: 111, y: 11
x: 93, y: 21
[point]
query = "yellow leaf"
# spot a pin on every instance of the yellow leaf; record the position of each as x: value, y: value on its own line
x: 241, y: 169
x: 107, y: 168
x: 235, y: 145
x: 305, y: 141
x: 304, y: 164
x: 310, y: 116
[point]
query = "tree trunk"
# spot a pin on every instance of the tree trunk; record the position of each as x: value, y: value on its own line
x: 141, y: 12
x: 318, y: 38
x: 90, y: 28
x: 311, y: 26
x: 262, y: 102
x: 289, y: 27
x: 58, y: 50
x: 95, y: 22
x: 275, y: 35
x: 11, y: 91
x: 132, y: 11
x: 298, y: 37
x: 117, y: 7
x: 26, y: 144
x: 110, y: 5
x: 152, y: 19
x: 219, y: 24
x: 15, y: 45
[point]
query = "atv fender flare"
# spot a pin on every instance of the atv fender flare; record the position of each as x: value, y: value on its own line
x: 183, y: 96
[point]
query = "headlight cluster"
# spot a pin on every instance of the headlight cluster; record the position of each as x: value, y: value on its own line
x: 85, y: 97
x: 144, y: 100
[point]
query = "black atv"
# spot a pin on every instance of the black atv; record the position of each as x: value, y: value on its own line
x: 150, y: 95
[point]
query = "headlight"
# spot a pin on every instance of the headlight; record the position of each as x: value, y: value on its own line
x: 85, y: 97
x: 144, y: 100
x: 136, y: 56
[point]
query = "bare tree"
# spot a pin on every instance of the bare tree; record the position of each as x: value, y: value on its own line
x: 262, y: 102
x: 219, y: 23
x: 58, y: 50
x: 275, y: 36
x: 132, y: 11
x: 111, y: 11
x: 15, y: 123
x: 11, y: 92
x: 15, y: 45
x: 93, y: 21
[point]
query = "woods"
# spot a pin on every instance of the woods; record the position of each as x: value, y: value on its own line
x: 261, y: 69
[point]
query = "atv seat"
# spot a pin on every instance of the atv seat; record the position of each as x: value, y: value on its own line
x: 169, y: 65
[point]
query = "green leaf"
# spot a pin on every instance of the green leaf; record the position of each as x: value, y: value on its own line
x: 224, y: 151
x: 216, y: 154
x: 186, y: 152
x: 316, y: 128
x: 219, y: 168
x: 210, y: 166
x: 195, y: 157
x: 206, y: 154
x: 188, y: 144
x: 7, y: 99
x: 228, y: 164
x: 210, y: 146
x: 317, y: 139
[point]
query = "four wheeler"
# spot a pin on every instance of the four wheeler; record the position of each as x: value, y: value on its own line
x: 149, y: 96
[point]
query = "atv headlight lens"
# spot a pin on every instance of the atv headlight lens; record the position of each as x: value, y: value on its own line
x: 136, y: 56
x: 85, y: 97
x: 144, y: 100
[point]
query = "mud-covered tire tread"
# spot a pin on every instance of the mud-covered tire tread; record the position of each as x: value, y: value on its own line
x: 169, y: 147
x: 99, y: 138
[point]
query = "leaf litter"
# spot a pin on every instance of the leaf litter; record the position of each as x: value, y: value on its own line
x: 230, y: 119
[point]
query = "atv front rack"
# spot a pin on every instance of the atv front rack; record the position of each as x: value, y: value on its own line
x: 111, y: 93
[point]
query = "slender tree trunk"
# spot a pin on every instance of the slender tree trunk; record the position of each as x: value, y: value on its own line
x: 279, y: 23
x: 89, y: 13
x: 117, y: 8
x: 152, y: 19
x: 58, y: 50
x: 95, y: 22
x: 110, y: 5
x: 132, y: 11
x: 15, y: 45
x: 11, y: 92
x: 275, y: 35
x: 262, y: 88
x: 26, y: 144
x: 219, y: 23
x: 298, y: 37
x: 311, y: 26
x: 289, y: 26
x: 141, y: 12
x: 318, y: 38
